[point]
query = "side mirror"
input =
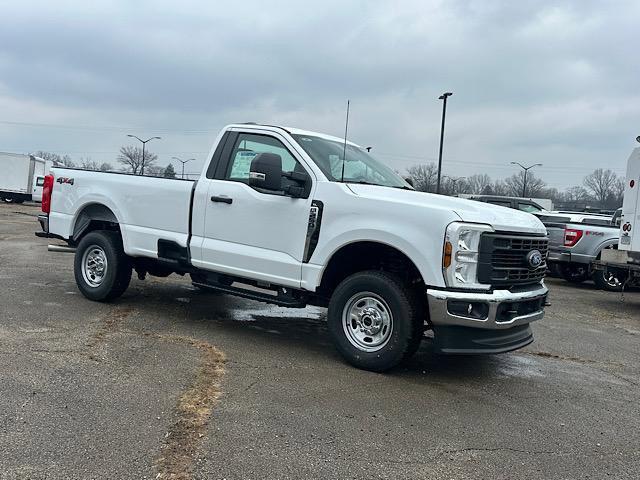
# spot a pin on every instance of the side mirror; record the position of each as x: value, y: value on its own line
x: 266, y: 172
x: 297, y: 184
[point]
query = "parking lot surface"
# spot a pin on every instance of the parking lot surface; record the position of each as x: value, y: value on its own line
x: 168, y: 382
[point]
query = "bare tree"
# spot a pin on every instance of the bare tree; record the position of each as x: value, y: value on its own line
x: 601, y: 184
x: 131, y: 158
x: 499, y: 187
x: 64, y: 161
x: 453, y: 185
x: 575, y: 194
x: 515, y: 183
x: 424, y: 177
x: 88, y: 164
x: 478, y: 183
x: 153, y: 170
x: 106, y: 167
x: 618, y: 192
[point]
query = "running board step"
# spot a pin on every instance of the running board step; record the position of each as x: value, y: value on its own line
x: 282, y: 299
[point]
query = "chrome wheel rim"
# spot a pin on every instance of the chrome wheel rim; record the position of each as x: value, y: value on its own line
x: 367, y: 321
x: 94, y: 266
x: 611, y: 279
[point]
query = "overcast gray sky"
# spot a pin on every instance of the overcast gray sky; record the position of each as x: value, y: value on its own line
x: 555, y: 82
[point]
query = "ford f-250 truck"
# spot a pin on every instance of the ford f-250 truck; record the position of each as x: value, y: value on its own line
x: 295, y: 218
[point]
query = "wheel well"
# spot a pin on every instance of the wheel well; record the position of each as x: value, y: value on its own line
x: 360, y: 256
x: 94, y: 216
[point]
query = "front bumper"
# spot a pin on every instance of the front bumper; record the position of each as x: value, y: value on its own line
x: 495, y: 322
x: 500, y: 309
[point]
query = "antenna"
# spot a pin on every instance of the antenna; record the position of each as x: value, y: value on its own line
x: 344, y: 151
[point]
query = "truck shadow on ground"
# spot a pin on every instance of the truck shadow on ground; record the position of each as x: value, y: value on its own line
x: 304, y: 332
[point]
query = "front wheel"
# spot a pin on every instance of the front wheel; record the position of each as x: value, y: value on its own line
x: 375, y: 320
x: 101, y: 268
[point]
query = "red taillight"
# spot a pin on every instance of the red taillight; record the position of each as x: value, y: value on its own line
x: 571, y: 236
x: 47, y: 188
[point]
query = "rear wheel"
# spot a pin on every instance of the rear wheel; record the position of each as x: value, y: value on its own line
x: 609, y: 280
x: 101, y: 268
x: 575, y: 272
x: 375, y: 320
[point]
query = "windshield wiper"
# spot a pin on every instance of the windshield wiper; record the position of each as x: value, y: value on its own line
x: 364, y: 182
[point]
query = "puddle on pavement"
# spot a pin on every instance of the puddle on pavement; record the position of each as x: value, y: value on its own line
x: 519, y: 366
x: 272, y: 311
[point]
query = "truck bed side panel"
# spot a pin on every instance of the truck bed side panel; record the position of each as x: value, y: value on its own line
x: 147, y: 208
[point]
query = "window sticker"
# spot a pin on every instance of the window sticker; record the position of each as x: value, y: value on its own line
x: 242, y: 164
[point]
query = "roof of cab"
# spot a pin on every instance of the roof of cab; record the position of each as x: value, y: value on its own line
x: 293, y: 131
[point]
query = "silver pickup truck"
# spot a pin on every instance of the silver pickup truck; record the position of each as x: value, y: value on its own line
x: 575, y: 242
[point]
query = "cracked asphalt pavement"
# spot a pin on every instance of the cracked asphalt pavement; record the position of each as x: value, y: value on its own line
x: 168, y: 382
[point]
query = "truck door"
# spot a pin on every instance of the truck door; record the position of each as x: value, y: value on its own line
x: 249, y: 233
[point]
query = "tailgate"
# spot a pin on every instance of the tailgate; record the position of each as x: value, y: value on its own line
x: 555, y: 231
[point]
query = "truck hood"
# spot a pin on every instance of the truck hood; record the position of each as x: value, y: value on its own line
x: 500, y: 218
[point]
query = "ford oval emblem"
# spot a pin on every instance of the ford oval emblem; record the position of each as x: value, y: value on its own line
x: 534, y: 259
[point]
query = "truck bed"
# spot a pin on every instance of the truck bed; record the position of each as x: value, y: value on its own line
x: 593, y: 240
x: 146, y: 208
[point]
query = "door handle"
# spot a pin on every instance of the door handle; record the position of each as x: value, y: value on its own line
x: 216, y: 198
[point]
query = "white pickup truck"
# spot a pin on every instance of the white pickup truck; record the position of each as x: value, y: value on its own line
x: 278, y: 216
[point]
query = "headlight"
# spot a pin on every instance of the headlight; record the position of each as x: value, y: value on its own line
x: 460, y: 256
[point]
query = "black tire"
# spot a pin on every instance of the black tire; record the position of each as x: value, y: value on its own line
x: 607, y: 280
x: 18, y: 200
x: 117, y: 274
x: 407, y: 319
x: 553, y: 270
x: 575, y: 272
x: 7, y: 200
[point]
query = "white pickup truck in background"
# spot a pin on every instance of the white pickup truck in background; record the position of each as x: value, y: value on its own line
x: 278, y: 216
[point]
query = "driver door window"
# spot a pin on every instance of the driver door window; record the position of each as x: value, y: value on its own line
x: 247, y: 146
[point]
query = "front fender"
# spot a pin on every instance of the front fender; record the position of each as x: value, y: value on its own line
x: 427, y: 260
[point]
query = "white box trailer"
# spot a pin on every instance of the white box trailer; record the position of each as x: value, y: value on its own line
x: 625, y: 260
x: 22, y: 177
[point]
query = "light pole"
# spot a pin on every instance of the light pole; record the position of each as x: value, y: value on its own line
x: 443, y: 97
x: 526, y: 169
x: 144, y: 143
x: 183, y: 162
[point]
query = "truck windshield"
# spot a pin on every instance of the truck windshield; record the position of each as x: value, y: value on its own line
x: 359, y: 167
